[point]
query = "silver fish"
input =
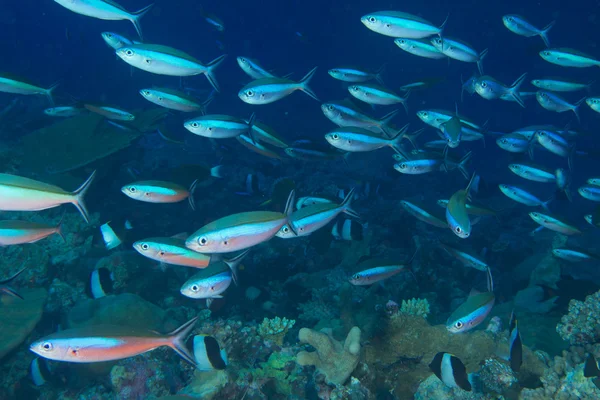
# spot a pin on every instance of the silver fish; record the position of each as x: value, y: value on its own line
x: 401, y: 25
x: 520, y: 26
x: 553, y: 102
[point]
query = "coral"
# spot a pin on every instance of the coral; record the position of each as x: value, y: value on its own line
x: 354, y: 391
x: 418, y: 307
x: 582, y: 324
x: 275, y: 329
x: 432, y: 388
x: 279, y: 369
x: 497, y: 377
x: 206, y: 385
x: 19, y: 317
x: 332, y: 358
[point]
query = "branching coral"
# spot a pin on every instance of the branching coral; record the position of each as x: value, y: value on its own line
x: 275, y: 329
x: 418, y: 307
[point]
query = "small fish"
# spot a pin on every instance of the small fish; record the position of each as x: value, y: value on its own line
x: 421, y: 48
x: 553, y: 102
x: 472, y: 209
x: 310, y: 201
x: 356, y: 75
x: 200, y: 286
x: 435, y: 118
x: 554, y: 223
x: 175, y: 100
x: 456, y: 212
x: 164, y: 60
x: 252, y: 145
x: 450, y: 370
x: 110, y: 342
x: 109, y: 112
x: 41, y: 373
x: 159, y: 192
x: 266, y: 134
x: 452, y: 132
x: 473, y: 311
x: 459, y: 50
x: 421, y: 84
x: 374, y: 270
x: 515, y: 344
x: 589, y: 218
x: 490, y: 88
x: 218, y: 126
x: 572, y: 255
x: 208, y: 354
x: 560, y: 85
x: 19, y: 232
x: 566, y: 57
x: 593, y: 103
x: 465, y: 258
x: 253, y: 68
x: 116, y: 41
x: 590, y: 192
x: 23, y: 194
x: 524, y: 197
x: 4, y: 288
x: 593, y: 181
x: 376, y: 94
x: 100, y: 283
x: 269, y: 90
x: 345, y: 115
x: 532, y: 172
x: 214, y: 21
x: 356, y: 139
x: 240, y: 231
x: 348, y: 229
x: 421, y: 214
x: 311, y: 152
x: 520, y: 26
x: 15, y: 85
x: 555, y: 143
x: 563, y: 182
x: 107, y: 10
x: 400, y: 25
x: 515, y: 143
x: 63, y: 112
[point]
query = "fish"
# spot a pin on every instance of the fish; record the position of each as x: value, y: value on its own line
x: 252, y: 186
x: 572, y: 255
x: 116, y: 41
x: 422, y: 214
x: 19, y: 232
x: 375, y: 270
x: 452, y: 132
x: 554, y: 223
x: 107, y: 10
x: 555, y: 143
x: 524, y: 197
x: 18, y: 193
x: 311, y: 152
x: 422, y: 164
x: 345, y: 115
x: 515, y: 344
x: 590, y: 192
x: 553, y: 102
x: 593, y: 103
x: 218, y: 126
x: 63, y: 111
x: 450, y: 370
x: 472, y: 209
x: 264, y: 133
x: 4, y: 288
x: 14, y: 85
x: 459, y: 50
x: 356, y: 74
x: 490, y: 88
x: 208, y: 353
x: 435, y: 118
x: 110, y: 112
x: 566, y: 57
x: 515, y: 143
x: 175, y: 100
x: 309, y: 201
x: 41, y: 373
x: 165, y: 60
x: 269, y: 90
x: 593, y: 181
x: 100, y: 283
x: 252, y: 145
x: 456, y: 212
x: 309, y: 219
x: 253, y: 68
x: 212, y: 287
x: 348, y: 229
x: 214, y: 21
x: 473, y: 311
x: 560, y: 85
x: 159, y: 192
x: 532, y: 172
x: 401, y: 25
x: 355, y: 139
x: 110, y: 342
x: 465, y: 258
x: 421, y: 84
x: 520, y: 26
x: 421, y: 48
x: 376, y: 94
x: 563, y: 181
x: 240, y: 231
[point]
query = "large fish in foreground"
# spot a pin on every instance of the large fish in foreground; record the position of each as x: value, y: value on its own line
x: 110, y: 342
x: 456, y: 212
x: 450, y: 370
x: 18, y: 232
x: 106, y: 10
x: 23, y: 194
x: 473, y: 311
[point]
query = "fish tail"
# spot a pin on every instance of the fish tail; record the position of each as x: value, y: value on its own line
x: 176, y: 340
x: 10, y: 292
x: 191, y: 195
x: 215, y: 171
x: 544, y: 33
x: 304, y: 84
x: 514, y: 89
x: 441, y: 28
x: 48, y: 92
x: 463, y: 163
x: 405, y: 103
x: 577, y: 108
x: 210, y: 69
x: 480, y: 60
x: 379, y: 73
x: 545, y: 203
x: 233, y: 264
x: 398, y: 137
x: 347, y: 203
x: 206, y: 102
x: 385, y: 120
x: 79, y: 194
x: 137, y: 16
x: 59, y: 228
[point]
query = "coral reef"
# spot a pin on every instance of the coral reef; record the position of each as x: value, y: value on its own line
x: 582, y: 324
x: 331, y: 358
x: 497, y: 377
x: 432, y: 388
x: 275, y: 329
x: 418, y: 307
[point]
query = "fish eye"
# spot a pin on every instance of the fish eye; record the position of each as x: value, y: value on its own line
x: 249, y: 93
x: 147, y: 92
x: 285, y: 229
x: 458, y: 324
x: 403, y: 166
x: 194, y: 288
x: 145, y: 246
x: 354, y: 88
x: 47, y: 346
x: 129, y: 52
x: 195, y: 125
x: 160, y: 99
x: 335, y: 136
x: 424, y: 114
x: 243, y: 60
x: 132, y: 189
x: 510, y: 19
x: 109, y: 35
x: 458, y: 229
x: 372, y: 20
x: 402, y: 41
x: 483, y: 84
x: 225, y: 242
x: 505, y: 141
x: 335, y: 71
x: 330, y: 107
x: 202, y: 241
x: 547, y: 53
